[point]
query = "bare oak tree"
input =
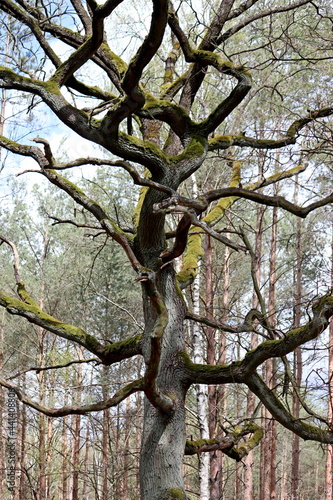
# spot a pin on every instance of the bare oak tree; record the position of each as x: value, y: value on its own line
x: 154, y: 130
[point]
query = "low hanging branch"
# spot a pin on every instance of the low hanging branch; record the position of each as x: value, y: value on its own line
x: 282, y: 415
x: 131, y: 388
x: 29, y: 309
x: 240, y: 371
x: 229, y: 444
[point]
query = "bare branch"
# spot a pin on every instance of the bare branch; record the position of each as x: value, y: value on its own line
x: 119, y: 396
x: 260, y: 15
x: 209, y: 322
x: 16, y: 263
x: 38, y: 369
x: 229, y: 444
x: 226, y: 141
x: 282, y: 415
x: 240, y: 371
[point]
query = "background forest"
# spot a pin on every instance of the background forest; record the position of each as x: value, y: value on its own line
x: 280, y: 265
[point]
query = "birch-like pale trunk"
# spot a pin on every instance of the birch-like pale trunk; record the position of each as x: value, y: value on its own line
x: 202, y: 396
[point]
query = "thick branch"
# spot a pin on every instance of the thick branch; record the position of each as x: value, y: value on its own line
x: 240, y: 371
x: 152, y: 392
x: 49, y: 92
x: 29, y: 309
x: 282, y: 415
x: 229, y: 444
x: 77, y: 59
x: 226, y: 141
x: 149, y: 47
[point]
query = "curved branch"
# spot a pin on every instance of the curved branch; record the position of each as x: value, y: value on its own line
x: 209, y: 322
x: 30, y: 310
x: 272, y: 201
x: 89, y: 47
x: 119, y: 396
x: 227, y: 141
x: 16, y: 263
x: 152, y: 392
x: 296, y: 388
x: 134, y: 98
x: 282, y: 415
x: 204, y: 57
x: 260, y: 15
x: 228, y: 444
x: 94, y: 208
x: 49, y: 92
x: 240, y: 371
x: 128, y: 167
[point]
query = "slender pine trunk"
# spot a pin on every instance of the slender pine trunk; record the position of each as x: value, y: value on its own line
x: 295, y: 479
x: 329, y: 449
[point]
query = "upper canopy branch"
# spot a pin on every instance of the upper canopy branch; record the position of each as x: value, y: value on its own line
x: 39, y: 23
x: 23, y: 16
x: 241, y: 140
x: 149, y: 46
x: 259, y: 15
x: 134, y: 98
x: 201, y: 203
x: 80, y: 56
x: 89, y: 47
x: 207, y: 57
